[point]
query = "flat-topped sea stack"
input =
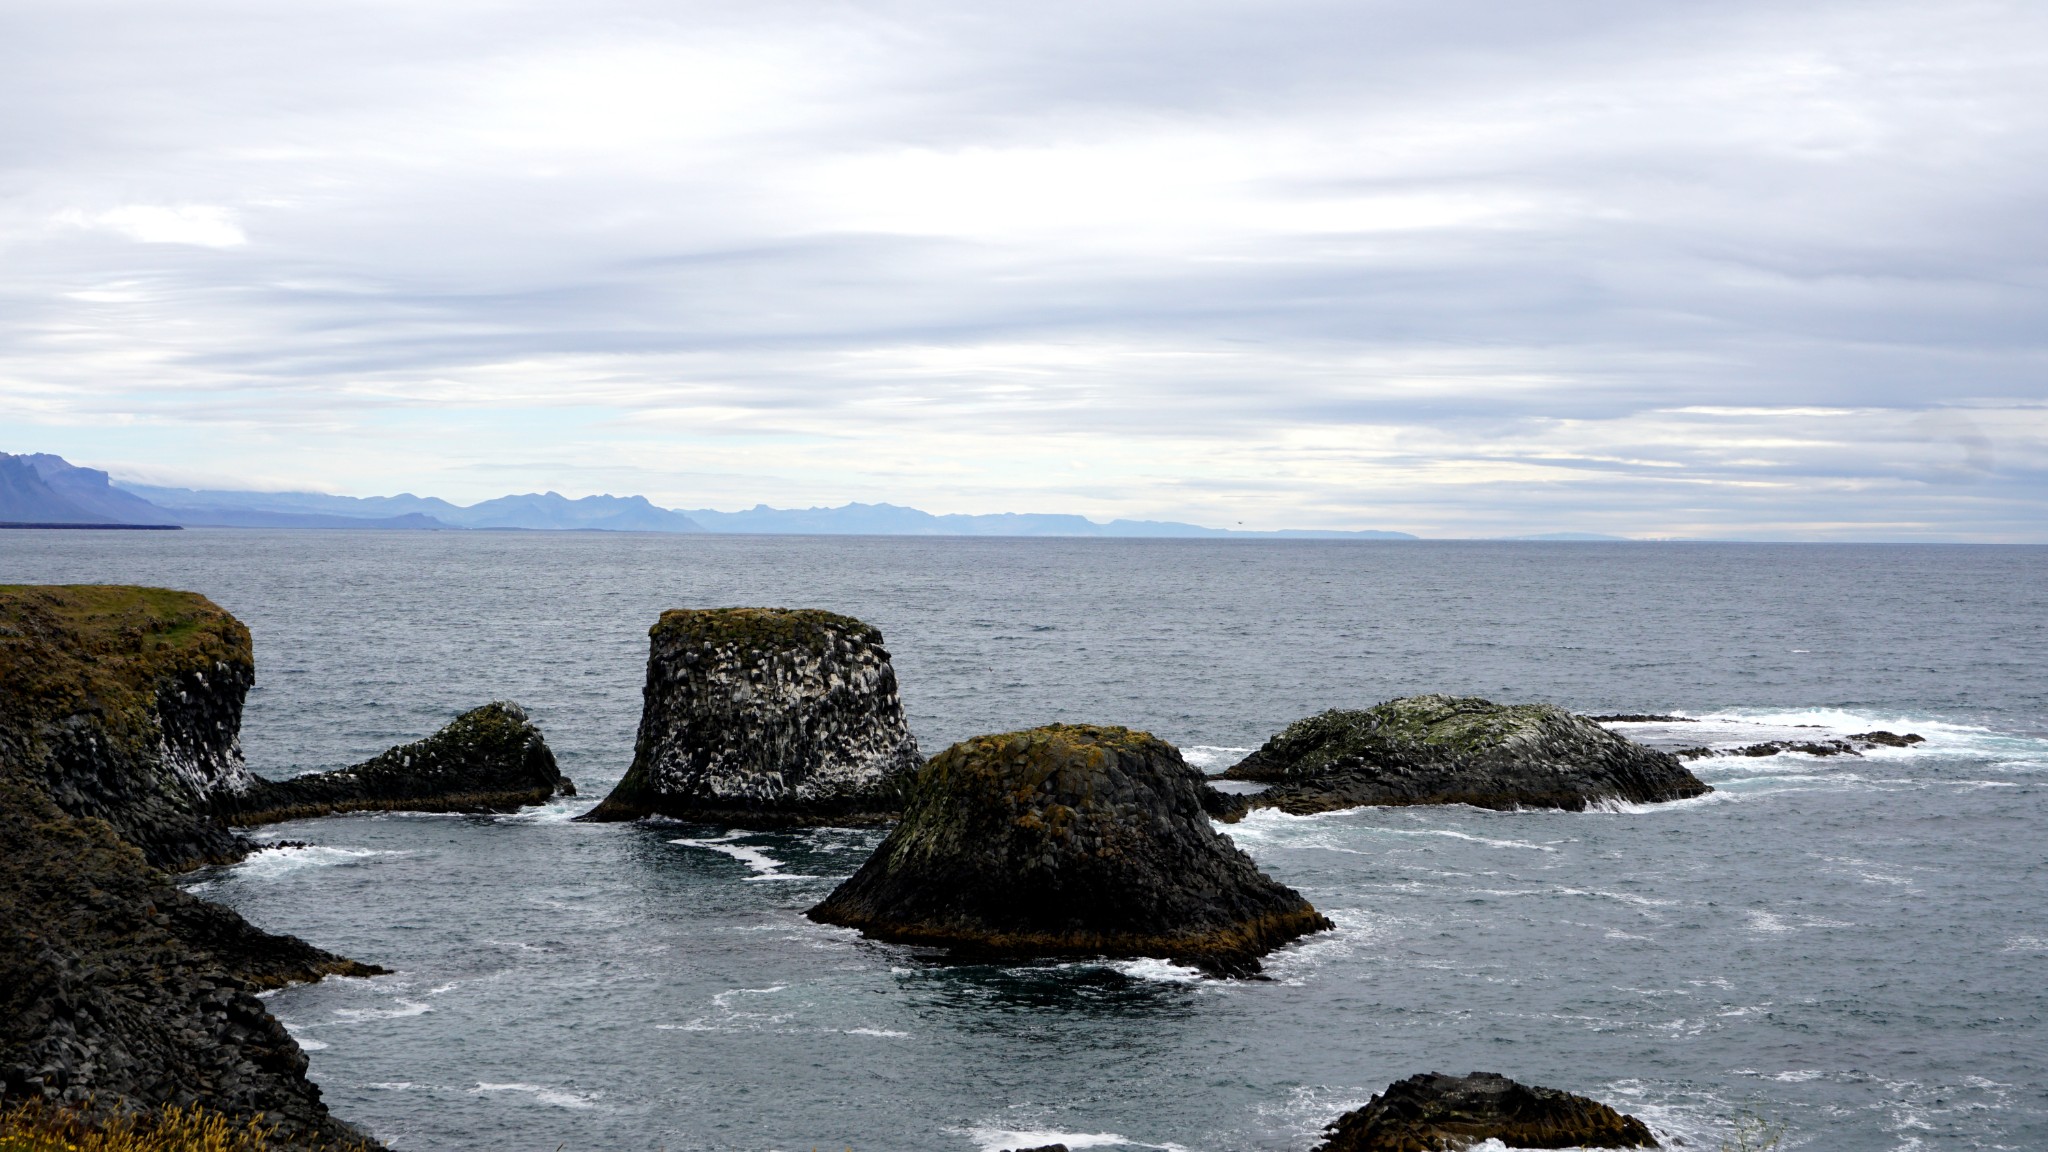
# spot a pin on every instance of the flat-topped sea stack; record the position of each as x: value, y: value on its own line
x: 1438, y: 1113
x: 1458, y: 750
x: 489, y: 759
x: 1068, y: 840
x: 766, y: 718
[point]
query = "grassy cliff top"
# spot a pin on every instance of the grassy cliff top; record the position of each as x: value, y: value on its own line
x: 72, y: 647
x: 808, y: 628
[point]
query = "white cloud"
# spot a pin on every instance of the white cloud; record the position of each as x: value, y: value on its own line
x: 1446, y: 265
x: 203, y: 225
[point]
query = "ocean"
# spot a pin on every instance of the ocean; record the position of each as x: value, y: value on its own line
x: 1848, y: 952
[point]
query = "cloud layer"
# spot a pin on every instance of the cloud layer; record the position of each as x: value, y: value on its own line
x: 1454, y: 268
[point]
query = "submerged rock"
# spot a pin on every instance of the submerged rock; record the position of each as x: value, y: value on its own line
x: 1438, y: 1113
x: 766, y: 717
x: 489, y: 759
x: 119, y: 713
x: 1457, y: 750
x: 1068, y: 840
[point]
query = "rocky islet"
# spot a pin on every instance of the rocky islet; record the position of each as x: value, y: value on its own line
x: 1457, y: 750
x: 765, y: 718
x: 1068, y: 840
x: 1438, y: 1113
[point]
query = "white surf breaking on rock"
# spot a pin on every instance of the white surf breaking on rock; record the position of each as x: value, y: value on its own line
x: 1212, y: 758
x: 992, y: 1139
x: 271, y: 863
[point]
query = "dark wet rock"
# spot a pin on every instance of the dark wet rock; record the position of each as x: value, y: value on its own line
x: 1438, y: 1113
x: 1855, y: 745
x: 1810, y: 747
x: 1068, y: 840
x: 489, y: 759
x: 1040, y: 1148
x: 1458, y: 750
x: 767, y: 717
x: 1642, y: 718
x: 1696, y: 752
x: 119, y: 712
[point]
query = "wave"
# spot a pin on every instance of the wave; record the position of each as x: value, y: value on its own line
x: 271, y: 863
x: 556, y: 1097
x: 993, y: 1139
x: 1213, y: 758
x: 765, y: 867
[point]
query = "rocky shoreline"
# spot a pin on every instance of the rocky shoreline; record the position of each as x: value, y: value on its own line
x: 120, y: 764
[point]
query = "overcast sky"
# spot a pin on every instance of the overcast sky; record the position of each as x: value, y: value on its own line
x: 1770, y: 269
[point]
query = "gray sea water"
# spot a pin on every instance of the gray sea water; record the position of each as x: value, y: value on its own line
x: 1852, y: 952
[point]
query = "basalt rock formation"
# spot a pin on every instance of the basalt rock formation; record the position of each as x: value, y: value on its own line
x: 125, y: 704
x: 766, y: 717
x: 489, y: 759
x: 119, y: 711
x: 1457, y: 750
x: 1068, y: 840
x: 1438, y: 1113
x: 1855, y: 745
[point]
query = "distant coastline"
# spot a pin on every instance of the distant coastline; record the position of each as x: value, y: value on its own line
x: 95, y: 527
x: 44, y: 489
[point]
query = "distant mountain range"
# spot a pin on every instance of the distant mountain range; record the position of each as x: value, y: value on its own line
x: 46, y: 489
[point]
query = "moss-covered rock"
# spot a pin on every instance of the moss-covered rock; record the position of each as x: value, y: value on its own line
x: 1457, y: 750
x: 125, y: 704
x: 766, y: 717
x: 1438, y: 1113
x: 1068, y: 840
x: 489, y: 759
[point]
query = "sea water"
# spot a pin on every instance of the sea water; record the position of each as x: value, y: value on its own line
x: 1851, y: 952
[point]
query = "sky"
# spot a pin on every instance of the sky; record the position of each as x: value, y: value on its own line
x: 1776, y: 270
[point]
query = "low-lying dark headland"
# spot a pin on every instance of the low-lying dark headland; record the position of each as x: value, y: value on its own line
x: 1457, y: 750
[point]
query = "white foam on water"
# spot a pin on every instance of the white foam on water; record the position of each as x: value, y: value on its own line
x: 405, y: 1008
x: 311, y: 1045
x: 1456, y: 835
x: 556, y: 1097
x: 560, y: 810
x: 1163, y: 971
x: 391, y: 1085
x: 765, y: 867
x: 889, y: 1032
x: 1212, y: 758
x: 2026, y: 944
x: 992, y: 1139
x: 271, y: 863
